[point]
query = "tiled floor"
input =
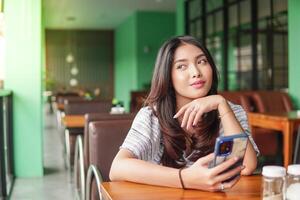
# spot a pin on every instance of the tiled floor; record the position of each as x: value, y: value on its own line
x: 56, y: 183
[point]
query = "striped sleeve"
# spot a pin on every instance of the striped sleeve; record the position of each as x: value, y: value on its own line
x: 242, y: 118
x: 143, y: 138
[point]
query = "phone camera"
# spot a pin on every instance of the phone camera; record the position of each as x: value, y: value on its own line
x: 225, y: 148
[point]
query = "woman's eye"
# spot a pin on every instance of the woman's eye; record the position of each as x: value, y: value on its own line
x: 180, y: 67
x: 202, y: 62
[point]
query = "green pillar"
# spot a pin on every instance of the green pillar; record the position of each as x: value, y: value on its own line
x: 23, y: 33
x: 294, y: 58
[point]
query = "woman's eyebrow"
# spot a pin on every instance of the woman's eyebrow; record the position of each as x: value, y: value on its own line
x: 180, y: 60
x: 196, y: 57
x: 200, y: 56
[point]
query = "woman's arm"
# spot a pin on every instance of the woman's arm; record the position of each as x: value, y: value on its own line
x: 232, y: 126
x: 193, y: 111
x: 127, y: 168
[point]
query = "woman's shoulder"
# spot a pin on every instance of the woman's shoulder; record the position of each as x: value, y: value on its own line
x: 145, y: 114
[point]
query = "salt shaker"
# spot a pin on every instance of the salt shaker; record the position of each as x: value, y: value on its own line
x: 273, y: 182
x: 293, y: 182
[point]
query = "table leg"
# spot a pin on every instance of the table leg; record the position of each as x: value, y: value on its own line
x: 287, y: 143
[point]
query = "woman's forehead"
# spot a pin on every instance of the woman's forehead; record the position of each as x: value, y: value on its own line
x: 187, y: 51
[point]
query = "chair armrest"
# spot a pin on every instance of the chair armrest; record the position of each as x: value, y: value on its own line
x: 93, y: 172
x: 78, y: 159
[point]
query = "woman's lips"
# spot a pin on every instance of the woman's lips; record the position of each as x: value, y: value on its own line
x: 198, y: 84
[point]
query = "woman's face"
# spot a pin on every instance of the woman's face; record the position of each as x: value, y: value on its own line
x: 191, y: 73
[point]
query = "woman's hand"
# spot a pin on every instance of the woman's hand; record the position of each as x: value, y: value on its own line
x: 199, y: 176
x: 193, y: 111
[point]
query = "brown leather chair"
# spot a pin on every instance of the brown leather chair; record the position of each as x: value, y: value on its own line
x: 81, y: 169
x: 105, y: 138
x: 92, y: 117
x: 269, y: 101
x: 242, y: 98
x: 79, y: 107
x: 272, y: 101
x: 137, y: 100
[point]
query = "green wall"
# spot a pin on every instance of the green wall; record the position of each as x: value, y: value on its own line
x: 137, y: 41
x: 23, y: 76
x: 294, y: 58
x: 180, y: 17
x: 153, y: 28
x: 125, y: 60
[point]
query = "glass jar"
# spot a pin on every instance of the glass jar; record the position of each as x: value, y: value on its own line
x: 273, y: 182
x: 293, y: 182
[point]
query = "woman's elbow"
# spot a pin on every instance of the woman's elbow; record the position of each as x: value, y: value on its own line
x: 113, y: 173
x: 112, y: 176
x: 249, y: 169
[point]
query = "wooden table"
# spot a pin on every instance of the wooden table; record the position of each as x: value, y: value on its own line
x: 73, y: 121
x: 249, y: 187
x: 287, y: 123
x: 59, y: 106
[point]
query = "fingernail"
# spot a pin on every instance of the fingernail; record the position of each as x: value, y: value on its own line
x: 236, y: 158
x: 174, y: 116
x: 243, y: 167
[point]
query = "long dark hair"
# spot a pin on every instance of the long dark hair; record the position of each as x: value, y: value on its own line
x: 162, y: 101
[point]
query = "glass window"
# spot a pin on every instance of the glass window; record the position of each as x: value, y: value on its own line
x: 271, y: 44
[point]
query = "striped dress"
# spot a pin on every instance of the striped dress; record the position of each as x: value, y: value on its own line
x: 144, y: 139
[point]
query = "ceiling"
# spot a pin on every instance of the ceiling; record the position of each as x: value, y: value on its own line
x: 97, y: 14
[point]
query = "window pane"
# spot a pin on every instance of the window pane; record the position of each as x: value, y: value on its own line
x: 264, y: 8
x: 193, y: 29
x: 213, y: 4
x: 210, y: 24
x: 245, y: 12
x: 195, y: 8
x: 219, y: 21
x: 199, y: 29
x: 233, y: 15
x: 279, y: 6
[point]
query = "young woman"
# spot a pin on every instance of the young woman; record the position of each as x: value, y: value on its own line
x: 172, y: 139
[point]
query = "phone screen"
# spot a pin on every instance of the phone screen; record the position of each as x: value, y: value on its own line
x: 227, y: 147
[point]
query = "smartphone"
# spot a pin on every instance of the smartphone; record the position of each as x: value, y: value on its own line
x: 227, y: 147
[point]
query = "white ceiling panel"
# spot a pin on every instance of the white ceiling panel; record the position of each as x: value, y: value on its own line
x: 97, y: 14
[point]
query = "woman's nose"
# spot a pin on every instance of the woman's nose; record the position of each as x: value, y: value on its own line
x: 195, y: 72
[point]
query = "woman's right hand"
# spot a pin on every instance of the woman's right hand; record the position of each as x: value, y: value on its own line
x: 199, y: 176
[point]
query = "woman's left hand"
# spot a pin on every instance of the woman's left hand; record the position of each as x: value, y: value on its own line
x: 193, y: 111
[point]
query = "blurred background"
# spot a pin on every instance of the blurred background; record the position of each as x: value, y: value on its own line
x: 105, y: 50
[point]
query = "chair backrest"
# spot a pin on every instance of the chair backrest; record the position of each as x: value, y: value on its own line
x: 242, y: 98
x: 92, y: 117
x: 137, y: 100
x: 105, y: 138
x: 61, y: 99
x: 272, y: 101
x: 75, y: 107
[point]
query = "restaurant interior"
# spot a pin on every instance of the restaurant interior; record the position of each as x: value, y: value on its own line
x: 73, y: 75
